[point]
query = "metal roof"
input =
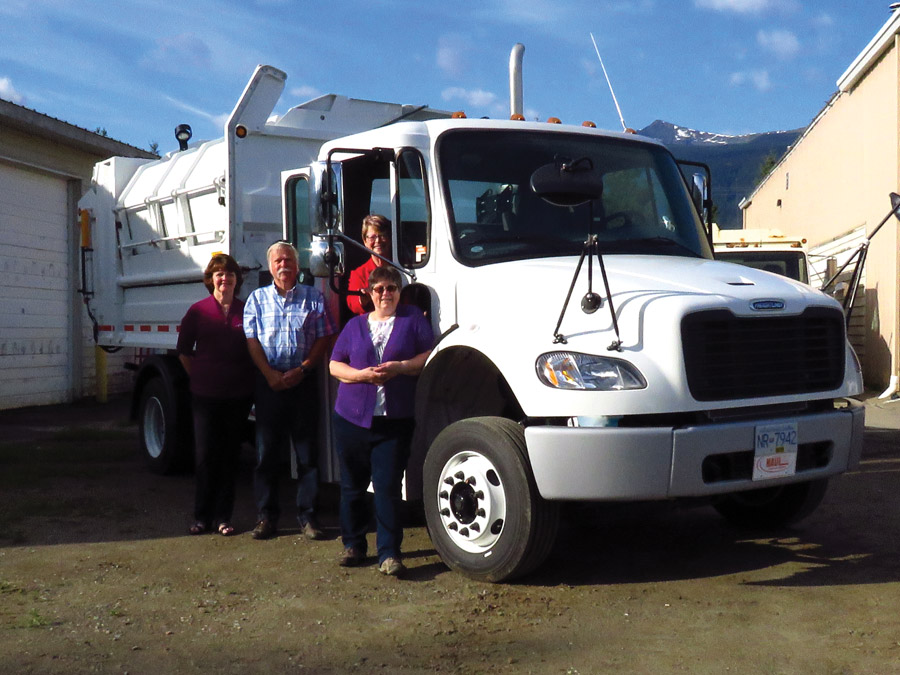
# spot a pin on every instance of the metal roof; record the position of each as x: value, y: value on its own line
x: 13, y: 116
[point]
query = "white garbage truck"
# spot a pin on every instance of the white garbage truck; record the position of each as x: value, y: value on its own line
x: 589, y: 346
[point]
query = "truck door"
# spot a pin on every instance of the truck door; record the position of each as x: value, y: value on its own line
x: 299, y: 218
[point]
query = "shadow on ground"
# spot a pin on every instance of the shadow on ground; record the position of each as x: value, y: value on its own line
x: 86, y: 483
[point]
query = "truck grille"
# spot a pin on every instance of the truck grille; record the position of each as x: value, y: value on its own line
x: 729, y: 357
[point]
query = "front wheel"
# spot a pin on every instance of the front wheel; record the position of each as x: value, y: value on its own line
x: 484, y: 514
x: 773, y: 506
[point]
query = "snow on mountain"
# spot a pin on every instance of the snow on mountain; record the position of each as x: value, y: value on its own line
x: 672, y: 134
x: 736, y: 161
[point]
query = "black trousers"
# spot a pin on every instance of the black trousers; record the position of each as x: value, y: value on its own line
x: 219, y: 425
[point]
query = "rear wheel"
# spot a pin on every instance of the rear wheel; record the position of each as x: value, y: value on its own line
x: 772, y: 507
x: 483, y: 511
x: 163, y: 426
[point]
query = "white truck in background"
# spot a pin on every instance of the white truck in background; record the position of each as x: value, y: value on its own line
x: 590, y: 347
x: 764, y: 249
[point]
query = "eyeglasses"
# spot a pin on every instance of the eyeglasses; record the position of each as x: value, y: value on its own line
x: 379, y: 290
x: 380, y: 237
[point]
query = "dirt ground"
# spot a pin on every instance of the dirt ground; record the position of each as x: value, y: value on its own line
x: 98, y: 575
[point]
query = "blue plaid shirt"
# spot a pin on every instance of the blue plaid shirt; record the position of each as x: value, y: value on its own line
x: 286, y: 327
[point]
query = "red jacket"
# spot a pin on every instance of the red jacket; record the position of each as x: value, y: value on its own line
x: 359, y: 279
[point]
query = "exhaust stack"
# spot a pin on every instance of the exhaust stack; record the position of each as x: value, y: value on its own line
x: 515, y: 79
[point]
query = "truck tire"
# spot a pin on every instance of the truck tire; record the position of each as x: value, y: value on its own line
x: 159, y: 422
x: 772, y: 507
x: 484, y: 514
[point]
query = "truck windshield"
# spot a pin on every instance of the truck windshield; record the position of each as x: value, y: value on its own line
x: 495, y: 215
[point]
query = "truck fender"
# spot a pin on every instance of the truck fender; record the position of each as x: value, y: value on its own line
x: 457, y: 383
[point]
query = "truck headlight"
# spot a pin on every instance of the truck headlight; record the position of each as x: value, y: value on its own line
x: 571, y: 370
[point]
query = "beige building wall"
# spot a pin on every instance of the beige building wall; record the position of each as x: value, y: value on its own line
x: 839, y: 177
x: 47, y: 352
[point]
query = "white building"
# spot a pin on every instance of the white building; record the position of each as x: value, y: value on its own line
x: 46, y: 344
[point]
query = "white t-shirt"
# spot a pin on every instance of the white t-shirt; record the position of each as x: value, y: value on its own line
x: 380, y: 332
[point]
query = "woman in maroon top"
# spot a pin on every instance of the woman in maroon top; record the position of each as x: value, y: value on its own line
x: 213, y: 350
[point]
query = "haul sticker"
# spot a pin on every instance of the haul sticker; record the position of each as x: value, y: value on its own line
x: 421, y: 252
x: 775, y: 453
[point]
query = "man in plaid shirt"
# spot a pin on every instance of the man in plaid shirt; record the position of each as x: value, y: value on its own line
x: 287, y: 329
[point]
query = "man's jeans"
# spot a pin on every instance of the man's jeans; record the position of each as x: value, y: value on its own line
x: 282, y: 417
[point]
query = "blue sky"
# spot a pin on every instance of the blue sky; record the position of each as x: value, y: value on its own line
x: 139, y: 67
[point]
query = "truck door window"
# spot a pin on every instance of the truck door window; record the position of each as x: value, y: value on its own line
x: 298, y: 213
x: 414, y: 214
x: 413, y: 225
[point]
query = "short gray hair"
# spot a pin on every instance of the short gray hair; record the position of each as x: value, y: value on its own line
x: 282, y: 244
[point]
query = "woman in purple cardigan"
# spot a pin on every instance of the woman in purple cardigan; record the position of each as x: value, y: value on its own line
x: 376, y: 359
x: 213, y: 350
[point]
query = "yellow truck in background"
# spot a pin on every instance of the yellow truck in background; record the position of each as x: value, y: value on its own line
x: 763, y: 249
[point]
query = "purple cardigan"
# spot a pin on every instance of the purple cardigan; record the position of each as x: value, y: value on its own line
x: 410, y: 336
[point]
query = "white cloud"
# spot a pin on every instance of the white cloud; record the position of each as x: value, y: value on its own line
x: 178, y: 53
x: 759, y: 79
x: 8, y: 92
x: 305, y: 92
x: 740, y: 6
x: 194, y: 111
x: 452, y: 54
x: 477, y: 98
x: 524, y: 12
x: 782, y: 43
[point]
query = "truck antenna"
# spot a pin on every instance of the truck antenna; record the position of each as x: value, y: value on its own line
x: 618, y: 109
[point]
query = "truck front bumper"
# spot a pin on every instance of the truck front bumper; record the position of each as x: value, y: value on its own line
x: 620, y: 463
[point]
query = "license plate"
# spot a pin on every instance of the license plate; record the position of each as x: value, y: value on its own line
x: 775, y: 452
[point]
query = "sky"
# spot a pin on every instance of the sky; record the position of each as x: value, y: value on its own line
x: 137, y: 68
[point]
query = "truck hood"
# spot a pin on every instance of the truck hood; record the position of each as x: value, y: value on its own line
x: 541, y: 286
x: 509, y: 312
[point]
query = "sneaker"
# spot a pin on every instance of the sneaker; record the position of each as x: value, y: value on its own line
x: 351, y: 557
x: 265, y: 529
x: 392, y: 567
x: 311, y: 530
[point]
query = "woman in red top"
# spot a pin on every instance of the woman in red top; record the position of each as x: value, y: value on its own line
x: 213, y: 350
x: 376, y: 235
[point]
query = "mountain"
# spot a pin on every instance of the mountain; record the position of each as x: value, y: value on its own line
x: 734, y: 161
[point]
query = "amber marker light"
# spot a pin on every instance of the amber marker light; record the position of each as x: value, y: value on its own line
x: 458, y: 115
x: 240, y: 131
x: 553, y: 120
x: 588, y: 123
x: 519, y: 117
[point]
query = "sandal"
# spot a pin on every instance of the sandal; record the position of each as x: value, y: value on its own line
x: 198, y: 528
x: 225, y: 529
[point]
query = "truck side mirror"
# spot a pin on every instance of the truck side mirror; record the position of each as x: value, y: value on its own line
x: 324, y: 258
x: 698, y: 191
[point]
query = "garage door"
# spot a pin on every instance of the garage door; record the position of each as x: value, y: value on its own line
x: 35, y: 304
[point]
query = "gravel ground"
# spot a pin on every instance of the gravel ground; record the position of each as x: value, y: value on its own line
x: 98, y: 575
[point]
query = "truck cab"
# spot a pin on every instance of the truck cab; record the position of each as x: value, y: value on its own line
x: 671, y: 375
x: 764, y: 249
